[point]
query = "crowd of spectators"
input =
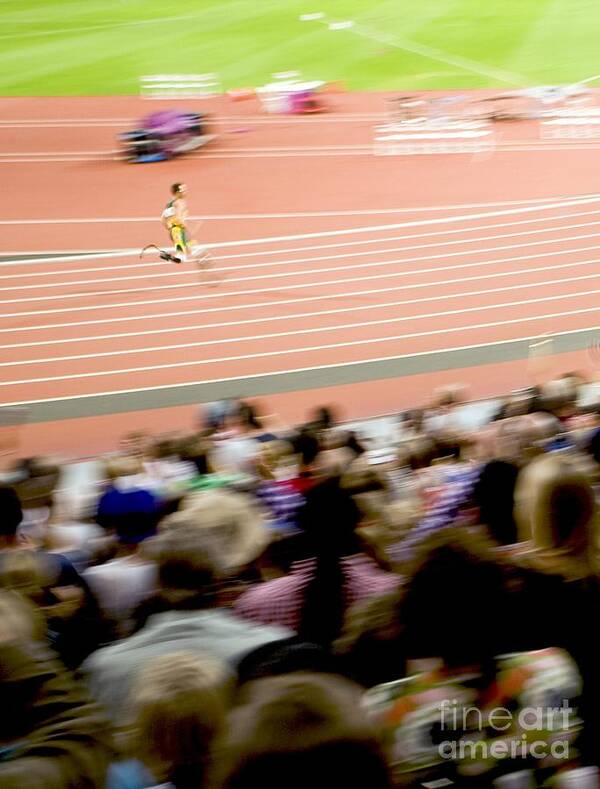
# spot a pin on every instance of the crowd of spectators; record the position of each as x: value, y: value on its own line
x: 258, y: 605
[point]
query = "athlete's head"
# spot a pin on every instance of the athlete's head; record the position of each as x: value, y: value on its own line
x: 178, y: 190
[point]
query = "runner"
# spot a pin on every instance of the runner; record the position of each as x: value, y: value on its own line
x: 174, y: 218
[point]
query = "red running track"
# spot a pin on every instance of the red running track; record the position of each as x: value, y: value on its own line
x: 497, y: 263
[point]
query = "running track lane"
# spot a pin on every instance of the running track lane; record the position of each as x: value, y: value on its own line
x: 424, y: 288
x: 538, y: 283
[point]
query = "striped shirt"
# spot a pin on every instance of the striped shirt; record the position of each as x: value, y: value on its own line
x: 280, y: 602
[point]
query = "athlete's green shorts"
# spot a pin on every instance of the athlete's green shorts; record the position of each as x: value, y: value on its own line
x: 179, y: 237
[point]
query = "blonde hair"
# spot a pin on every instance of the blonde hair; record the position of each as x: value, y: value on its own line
x: 19, y: 621
x: 179, y: 706
x: 116, y: 466
x: 23, y: 571
x: 555, y: 509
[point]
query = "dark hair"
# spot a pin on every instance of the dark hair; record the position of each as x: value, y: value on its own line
x: 445, y: 450
x: 421, y: 453
x: 11, y: 513
x: 303, y: 730
x: 353, y: 443
x: 249, y: 415
x: 494, y: 494
x: 324, y: 417
x: 594, y: 446
x: 306, y: 444
x: 329, y: 519
x: 453, y: 595
x: 176, y: 188
x: 456, y: 603
x: 287, y: 656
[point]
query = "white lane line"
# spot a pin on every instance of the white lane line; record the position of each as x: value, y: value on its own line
x: 317, y: 284
x: 566, y: 199
x: 36, y: 154
x: 283, y: 150
x: 67, y: 257
x: 362, y: 151
x: 288, y: 250
x: 257, y: 305
x: 290, y: 371
x: 357, y: 294
x: 560, y: 202
x: 310, y: 349
x: 100, y: 123
x: 274, y: 335
x: 366, y: 151
x: 361, y: 230
x: 225, y: 269
x: 217, y: 118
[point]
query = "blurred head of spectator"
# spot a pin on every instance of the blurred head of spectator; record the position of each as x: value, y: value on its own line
x: 179, y: 705
x: 494, y: 494
x: 421, y: 452
x: 444, y: 611
x: 302, y: 730
x: 51, y: 735
x: 275, y: 461
x: 559, y: 396
x: 135, y: 444
x: 24, y: 571
x: 196, y: 449
x: 411, y: 423
x: 189, y: 570
x: 37, y: 480
x: 19, y: 620
x: 324, y: 418
x: 231, y: 522
x: 11, y: 516
x: 35, y: 484
x: 556, y: 510
x: 128, y: 507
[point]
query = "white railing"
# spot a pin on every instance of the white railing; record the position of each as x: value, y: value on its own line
x: 571, y: 127
x: 430, y: 138
x: 180, y: 86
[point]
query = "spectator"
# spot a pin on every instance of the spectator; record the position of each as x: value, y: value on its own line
x: 178, y: 709
x: 302, y: 730
x: 312, y: 597
x: 397, y: 627
x: 232, y: 521
x: 51, y: 581
x: 74, y: 625
x: 166, y: 469
x: 446, y: 485
x: 11, y: 517
x: 278, y: 486
x: 447, y: 638
x: 557, y: 512
x: 196, y: 449
x: 52, y: 737
x: 238, y: 451
x: 494, y: 494
x: 131, y: 502
x: 183, y: 617
x: 121, y: 584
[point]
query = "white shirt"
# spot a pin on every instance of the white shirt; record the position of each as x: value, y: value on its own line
x: 120, y: 586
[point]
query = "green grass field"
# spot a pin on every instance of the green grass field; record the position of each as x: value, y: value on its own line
x: 70, y: 47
